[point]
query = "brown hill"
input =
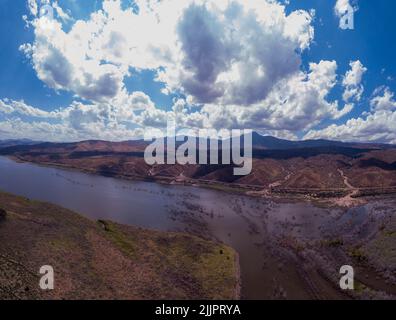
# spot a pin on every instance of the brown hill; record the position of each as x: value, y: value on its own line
x: 326, y: 166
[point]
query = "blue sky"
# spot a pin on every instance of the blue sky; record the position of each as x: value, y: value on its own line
x: 372, y: 42
x: 139, y: 100
x: 19, y: 80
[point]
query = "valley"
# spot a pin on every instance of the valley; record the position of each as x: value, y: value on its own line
x: 306, y: 170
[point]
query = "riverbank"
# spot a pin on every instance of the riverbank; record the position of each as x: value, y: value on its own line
x: 106, y: 260
x: 347, y: 197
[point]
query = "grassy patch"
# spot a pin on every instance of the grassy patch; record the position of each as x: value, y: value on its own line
x: 63, y: 244
x: 191, y: 266
x: 208, y: 265
x: 390, y: 233
x: 123, y: 242
x: 359, y: 287
x: 221, y: 259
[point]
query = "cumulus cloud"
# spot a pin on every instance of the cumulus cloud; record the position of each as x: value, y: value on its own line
x: 295, y: 103
x: 230, y: 59
x: 383, y: 100
x: 11, y: 107
x: 379, y: 125
x: 78, y: 121
x: 63, y: 64
x: 17, y: 128
x: 214, y: 51
x: 352, y: 81
x: 234, y: 63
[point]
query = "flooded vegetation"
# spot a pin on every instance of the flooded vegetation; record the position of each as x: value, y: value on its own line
x: 287, y: 250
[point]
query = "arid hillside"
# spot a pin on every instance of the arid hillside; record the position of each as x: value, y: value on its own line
x: 280, y: 166
x: 104, y: 260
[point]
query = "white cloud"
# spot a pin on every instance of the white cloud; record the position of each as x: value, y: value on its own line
x: 76, y: 122
x: 61, y: 61
x: 10, y: 107
x: 33, y: 7
x: 379, y: 125
x: 60, y: 132
x: 238, y: 62
x: 227, y: 52
x: 352, y: 81
x: 213, y: 51
x: 383, y: 100
x: 296, y: 103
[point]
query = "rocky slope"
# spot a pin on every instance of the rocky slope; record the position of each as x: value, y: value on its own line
x: 104, y: 260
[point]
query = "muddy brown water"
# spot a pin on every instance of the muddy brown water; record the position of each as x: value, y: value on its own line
x: 250, y: 225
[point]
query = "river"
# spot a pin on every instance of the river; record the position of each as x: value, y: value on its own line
x: 252, y: 226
